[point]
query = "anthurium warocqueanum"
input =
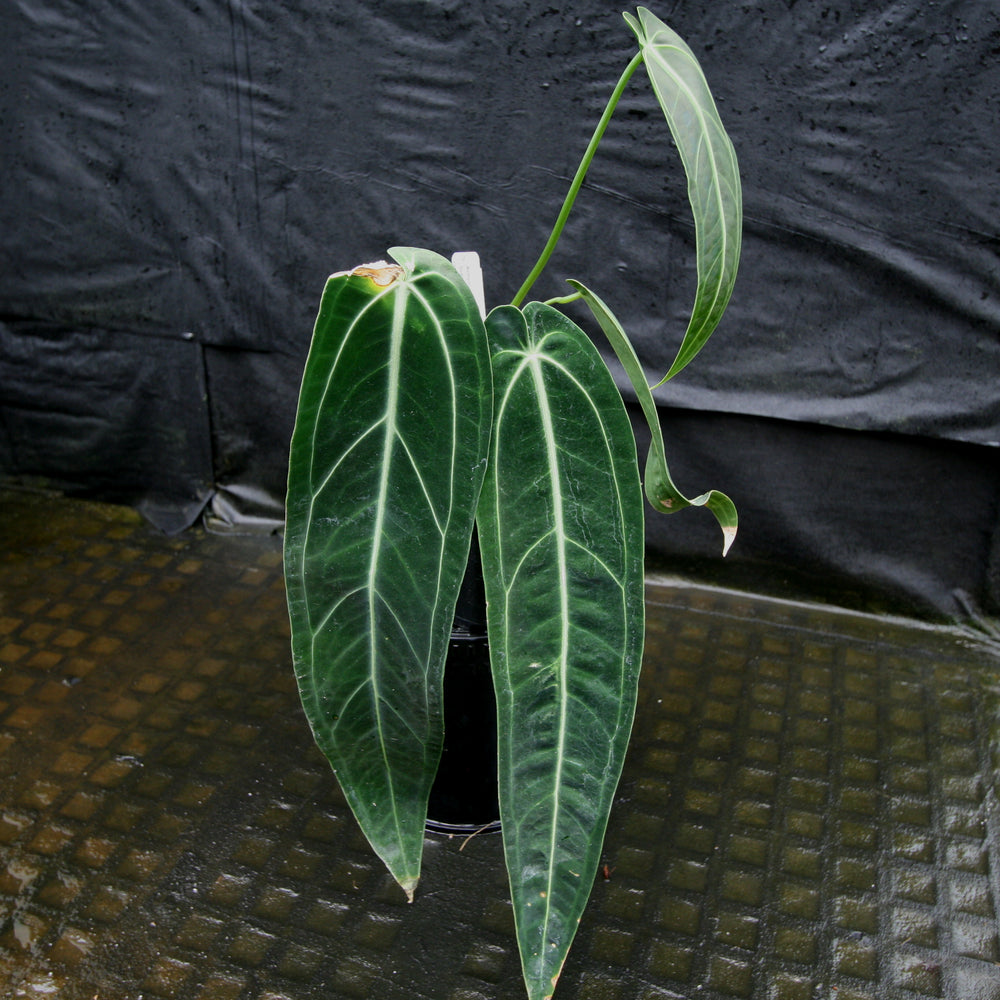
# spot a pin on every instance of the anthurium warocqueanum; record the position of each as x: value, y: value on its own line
x: 418, y: 420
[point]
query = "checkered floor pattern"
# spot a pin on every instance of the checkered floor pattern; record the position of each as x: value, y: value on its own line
x: 808, y: 809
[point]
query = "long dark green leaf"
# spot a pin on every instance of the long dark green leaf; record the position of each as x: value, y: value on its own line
x: 660, y: 489
x: 387, y: 459
x: 561, y: 530
x: 710, y: 164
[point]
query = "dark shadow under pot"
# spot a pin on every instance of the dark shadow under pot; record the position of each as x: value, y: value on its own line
x: 464, y: 796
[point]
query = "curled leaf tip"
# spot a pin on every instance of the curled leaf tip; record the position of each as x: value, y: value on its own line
x: 381, y: 272
x: 728, y: 537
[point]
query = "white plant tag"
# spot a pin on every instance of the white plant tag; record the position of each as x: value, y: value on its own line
x: 467, y: 264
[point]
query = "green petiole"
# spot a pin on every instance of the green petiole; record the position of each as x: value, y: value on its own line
x: 574, y: 188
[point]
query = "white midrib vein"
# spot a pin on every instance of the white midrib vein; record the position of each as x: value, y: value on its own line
x: 559, y: 533
x: 388, y: 421
x: 710, y: 156
x: 392, y: 400
x: 314, y: 490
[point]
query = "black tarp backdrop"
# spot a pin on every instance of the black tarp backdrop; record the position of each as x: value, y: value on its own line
x: 179, y: 177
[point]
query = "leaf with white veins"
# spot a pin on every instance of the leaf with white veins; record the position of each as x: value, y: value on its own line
x: 713, y: 174
x: 561, y: 531
x: 387, y: 459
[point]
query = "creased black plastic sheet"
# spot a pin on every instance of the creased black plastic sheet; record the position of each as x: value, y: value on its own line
x: 88, y: 407
x: 190, y: 173
x: 200, y: 168
x: 847, y: 517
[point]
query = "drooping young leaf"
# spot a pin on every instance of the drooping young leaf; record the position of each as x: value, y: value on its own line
x: 561, y: 531
x: 387, y: 459
x: 713, y: 176
x: 660, y: 489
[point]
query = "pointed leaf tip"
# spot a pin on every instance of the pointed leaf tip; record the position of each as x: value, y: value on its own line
x: 728, y: 537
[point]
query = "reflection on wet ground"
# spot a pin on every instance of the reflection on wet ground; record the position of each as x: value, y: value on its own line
x: 808, y: 808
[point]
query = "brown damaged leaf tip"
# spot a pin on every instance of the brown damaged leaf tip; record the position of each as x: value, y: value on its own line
x: 381, y: 272
x: 409, y: 886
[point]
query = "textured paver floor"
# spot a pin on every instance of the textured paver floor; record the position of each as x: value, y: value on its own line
x: 808, y: 809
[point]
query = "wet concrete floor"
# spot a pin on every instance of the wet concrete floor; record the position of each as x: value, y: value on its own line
x: 808, y: 808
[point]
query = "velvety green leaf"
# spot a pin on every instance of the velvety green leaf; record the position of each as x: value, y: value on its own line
x: 660, y: 489
x: 561, y: 531
x: 712, y: 172
x: 387, y: 460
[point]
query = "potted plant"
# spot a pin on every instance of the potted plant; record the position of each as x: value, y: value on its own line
x: 418, y: 421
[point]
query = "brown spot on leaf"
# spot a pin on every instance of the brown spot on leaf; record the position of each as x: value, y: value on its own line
x: 381, y: 272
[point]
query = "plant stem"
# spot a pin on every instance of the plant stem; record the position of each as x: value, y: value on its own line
x: 564, y: 300
x: 574, y: 188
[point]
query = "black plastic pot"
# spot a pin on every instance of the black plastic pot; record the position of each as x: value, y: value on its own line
x: 464, y: 796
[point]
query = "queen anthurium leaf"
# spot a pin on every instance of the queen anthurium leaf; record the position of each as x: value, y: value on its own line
x: 712, y: 172
x: 387, y: 460
x: 660, y: 489
x: 561, y: 531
